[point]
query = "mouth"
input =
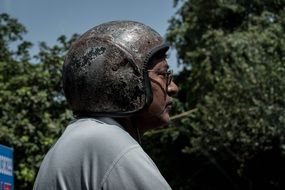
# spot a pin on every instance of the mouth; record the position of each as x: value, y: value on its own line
x: 168, y: 106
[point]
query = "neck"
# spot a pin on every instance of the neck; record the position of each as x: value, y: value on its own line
x: 131, y: 127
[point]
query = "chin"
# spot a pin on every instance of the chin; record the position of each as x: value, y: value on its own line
x: 165, y: 119
x: 152, y: 121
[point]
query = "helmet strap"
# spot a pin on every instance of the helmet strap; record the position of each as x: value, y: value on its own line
x: 139, y: 135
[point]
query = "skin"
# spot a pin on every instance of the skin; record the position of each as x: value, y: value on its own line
x: 157, y: 114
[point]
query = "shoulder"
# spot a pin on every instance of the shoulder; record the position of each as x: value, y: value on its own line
x: 86, y: 150
x: 134, y: 169
x: 91, y: 136
x: 96, y: 133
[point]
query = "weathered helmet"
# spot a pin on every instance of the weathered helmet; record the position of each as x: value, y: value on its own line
x: 105, y: 70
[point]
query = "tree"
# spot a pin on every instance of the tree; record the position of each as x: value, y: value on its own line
x: 33, y: 111
x: 234, y: 50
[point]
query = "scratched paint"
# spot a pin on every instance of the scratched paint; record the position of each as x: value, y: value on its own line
x: 103, y: 73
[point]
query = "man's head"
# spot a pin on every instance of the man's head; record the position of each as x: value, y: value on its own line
x: 107, y: 70
x: 162, y: 86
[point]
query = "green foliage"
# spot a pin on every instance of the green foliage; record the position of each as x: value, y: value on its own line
x: 234, y: 50
x: 10, y: 31
x: 234, y: 74
x: 33, y: 111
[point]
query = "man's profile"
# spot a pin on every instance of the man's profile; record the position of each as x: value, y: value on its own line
x: 117, y: 83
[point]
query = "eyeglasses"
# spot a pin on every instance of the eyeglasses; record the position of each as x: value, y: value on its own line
x: 168, y: 75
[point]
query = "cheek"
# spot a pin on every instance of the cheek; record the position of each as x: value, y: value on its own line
x: 158, y: 102
x: 159, y: 111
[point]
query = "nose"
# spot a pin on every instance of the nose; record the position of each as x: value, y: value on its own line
x: 172, y: 89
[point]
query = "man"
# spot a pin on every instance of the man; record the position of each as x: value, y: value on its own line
x: 117, y: 83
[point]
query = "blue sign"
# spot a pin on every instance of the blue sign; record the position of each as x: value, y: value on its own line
x: 6, y: 168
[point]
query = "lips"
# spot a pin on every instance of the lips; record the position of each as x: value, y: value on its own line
x: 168, y: 105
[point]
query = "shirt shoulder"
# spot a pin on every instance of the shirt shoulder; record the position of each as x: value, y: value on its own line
x: 134, y: 169
x: 92, y: 131
x: 94, y: 140
x: 82, y: 155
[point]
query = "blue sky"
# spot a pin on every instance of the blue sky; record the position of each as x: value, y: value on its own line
x: 46, y: 20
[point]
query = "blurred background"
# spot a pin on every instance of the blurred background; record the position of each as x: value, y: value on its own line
x: 228, y: 123
x: 45, y: 21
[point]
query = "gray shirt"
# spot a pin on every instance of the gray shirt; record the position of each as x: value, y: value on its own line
x: 97, y: 154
